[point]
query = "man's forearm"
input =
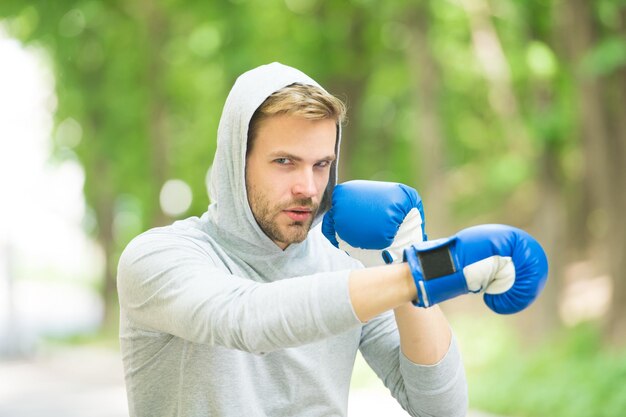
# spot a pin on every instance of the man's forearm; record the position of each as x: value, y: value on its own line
x: 424, y: 333
x: 378, y: 289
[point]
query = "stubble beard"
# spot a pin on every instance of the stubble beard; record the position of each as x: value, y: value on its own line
x: 265, y: 215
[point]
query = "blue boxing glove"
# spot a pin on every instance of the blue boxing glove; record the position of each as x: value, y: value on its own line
x: 505, y: 263
x: 374, y: 221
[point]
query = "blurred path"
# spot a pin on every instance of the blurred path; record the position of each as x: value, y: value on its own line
x: 73, y: 382
x: 89, y: 382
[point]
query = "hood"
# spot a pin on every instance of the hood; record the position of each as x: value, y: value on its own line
x: 229, y: 212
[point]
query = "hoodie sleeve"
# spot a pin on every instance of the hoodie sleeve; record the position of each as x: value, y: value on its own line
x: 169, y: 284
x: 422, y: 390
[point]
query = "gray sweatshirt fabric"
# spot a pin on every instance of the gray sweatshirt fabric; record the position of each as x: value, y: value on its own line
x: 216, y: 320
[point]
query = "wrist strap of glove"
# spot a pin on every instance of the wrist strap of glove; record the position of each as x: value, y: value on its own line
x: 436, y: 262
x: 429, y: 261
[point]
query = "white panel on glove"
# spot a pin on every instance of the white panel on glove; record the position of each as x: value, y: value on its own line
x: 368, y: 257
x: 493, y: 275
x: 409, y: 233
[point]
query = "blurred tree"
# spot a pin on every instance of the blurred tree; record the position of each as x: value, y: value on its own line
x: 539, y: 92
x: 597, y: 54
x: 428, y: 144
x: 111, y: 79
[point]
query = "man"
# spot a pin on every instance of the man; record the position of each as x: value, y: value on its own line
x: 249, y: 310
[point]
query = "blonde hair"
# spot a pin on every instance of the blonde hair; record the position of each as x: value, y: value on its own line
x: 297, y: 99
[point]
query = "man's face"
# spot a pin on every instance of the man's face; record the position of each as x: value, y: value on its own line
x: 287, y: 171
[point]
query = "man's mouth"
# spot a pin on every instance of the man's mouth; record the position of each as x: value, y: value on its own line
x: 299, y: 214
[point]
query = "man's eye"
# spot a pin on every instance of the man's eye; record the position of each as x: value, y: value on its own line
x: 282, y: 161
x: 323, y: 164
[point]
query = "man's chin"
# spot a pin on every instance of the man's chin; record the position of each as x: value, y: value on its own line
x: 297, y: 232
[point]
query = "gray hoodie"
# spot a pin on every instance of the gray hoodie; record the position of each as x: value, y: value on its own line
x: 217, y: 320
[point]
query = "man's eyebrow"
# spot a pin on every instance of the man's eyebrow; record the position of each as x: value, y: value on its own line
x: 329, y: 158
x: 280, y: 154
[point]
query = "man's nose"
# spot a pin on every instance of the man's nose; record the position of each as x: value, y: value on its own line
x: 305, y: 184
